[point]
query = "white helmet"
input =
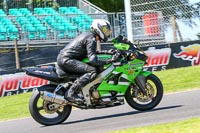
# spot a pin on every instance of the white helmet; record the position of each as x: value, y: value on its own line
x: 102, y: 28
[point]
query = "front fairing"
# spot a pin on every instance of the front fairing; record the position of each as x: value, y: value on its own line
x: 125, y: 74
x: 131, y: 69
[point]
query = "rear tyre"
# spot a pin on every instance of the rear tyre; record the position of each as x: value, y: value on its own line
x: 46, y: 112
x: 138, y: 101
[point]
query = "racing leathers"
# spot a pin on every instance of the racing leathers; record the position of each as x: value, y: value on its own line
x: 70, y: 60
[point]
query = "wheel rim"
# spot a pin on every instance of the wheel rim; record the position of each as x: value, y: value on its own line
x: 142, y: 99
x: 49, y: 111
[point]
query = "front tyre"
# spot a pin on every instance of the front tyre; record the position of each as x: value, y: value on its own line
x: 46, y: 112
x: 138, y: 101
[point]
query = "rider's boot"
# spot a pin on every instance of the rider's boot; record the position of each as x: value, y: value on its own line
x: 71, y: 94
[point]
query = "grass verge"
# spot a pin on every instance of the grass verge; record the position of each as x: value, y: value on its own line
x: 181, y: 79
x: 12, y: 107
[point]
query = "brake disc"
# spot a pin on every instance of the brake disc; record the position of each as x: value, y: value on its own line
x: 150, y: 93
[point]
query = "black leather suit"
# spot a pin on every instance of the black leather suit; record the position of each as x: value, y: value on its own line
x: 71, y: 56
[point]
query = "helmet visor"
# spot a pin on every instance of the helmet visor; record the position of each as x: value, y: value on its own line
x: 107, y: 31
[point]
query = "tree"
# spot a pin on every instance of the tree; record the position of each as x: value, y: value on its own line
x: 109, y: 5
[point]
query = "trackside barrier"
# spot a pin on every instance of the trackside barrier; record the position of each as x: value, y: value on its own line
x: 13, y: 84
x: 161, y: 57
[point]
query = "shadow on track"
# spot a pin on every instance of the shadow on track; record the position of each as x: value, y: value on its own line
x: 121, y: 114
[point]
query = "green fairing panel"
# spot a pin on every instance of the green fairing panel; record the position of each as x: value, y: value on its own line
x: 121, y: 46
x: 105, y: 88
x: 101, y: 57
x: 132, y: 69
x: 145, y: 73
x: 128, y: 72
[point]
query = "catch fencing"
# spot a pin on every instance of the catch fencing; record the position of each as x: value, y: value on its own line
x: 153, y: 22
x: 158, y: 21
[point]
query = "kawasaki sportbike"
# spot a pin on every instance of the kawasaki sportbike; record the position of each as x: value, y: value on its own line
x: 116, y: 83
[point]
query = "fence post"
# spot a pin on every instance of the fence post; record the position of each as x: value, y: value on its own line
x: 129, y: 25
x: 16, y: 55
x: 174, y: 28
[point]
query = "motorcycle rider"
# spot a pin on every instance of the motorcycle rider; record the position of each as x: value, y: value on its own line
x: 71, y: 56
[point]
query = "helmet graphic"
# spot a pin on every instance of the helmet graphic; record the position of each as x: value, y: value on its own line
x: 102, y: 28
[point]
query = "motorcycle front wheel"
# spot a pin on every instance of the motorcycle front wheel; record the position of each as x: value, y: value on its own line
x: 137, y: 100
x: 46, y: 112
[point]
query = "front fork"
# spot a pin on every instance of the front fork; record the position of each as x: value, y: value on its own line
x: 141, y: 80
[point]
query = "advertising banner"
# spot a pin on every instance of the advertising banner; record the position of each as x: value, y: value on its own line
x: 13, y: 84
x: 185, y: 54
x: 173, y: 56
x: 158, y: 57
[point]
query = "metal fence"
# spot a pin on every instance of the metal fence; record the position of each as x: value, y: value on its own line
x: 31, y: 4
x: 153, y: 22
x: 156, y: 21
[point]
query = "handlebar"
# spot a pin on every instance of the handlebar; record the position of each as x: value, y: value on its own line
x: 123, y: 44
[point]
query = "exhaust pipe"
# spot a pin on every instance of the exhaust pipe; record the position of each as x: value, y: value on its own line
x: 53, y: 97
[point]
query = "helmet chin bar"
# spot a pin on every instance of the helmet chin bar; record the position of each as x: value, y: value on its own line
x: 105, y: 39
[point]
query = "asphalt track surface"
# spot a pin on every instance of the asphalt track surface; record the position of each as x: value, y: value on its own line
x: 173, y: 107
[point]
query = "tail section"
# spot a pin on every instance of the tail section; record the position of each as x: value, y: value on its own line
x: 48, y: 73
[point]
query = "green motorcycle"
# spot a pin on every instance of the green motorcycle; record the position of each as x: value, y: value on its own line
x: 116, y: 83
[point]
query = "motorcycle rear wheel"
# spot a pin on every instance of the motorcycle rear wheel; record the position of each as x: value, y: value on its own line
x: 44, y: 112
x: 138, y: 101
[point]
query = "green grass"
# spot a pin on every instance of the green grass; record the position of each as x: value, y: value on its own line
x: 184, y: 126
x: 12, y: 107
x: 181, y: 79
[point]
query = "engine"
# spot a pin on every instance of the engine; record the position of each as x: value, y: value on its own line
x: 94, y: 93
x: 109, y: 100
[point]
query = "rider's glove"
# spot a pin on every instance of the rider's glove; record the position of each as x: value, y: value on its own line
x: 111, y: 51
x: 116, y: 57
